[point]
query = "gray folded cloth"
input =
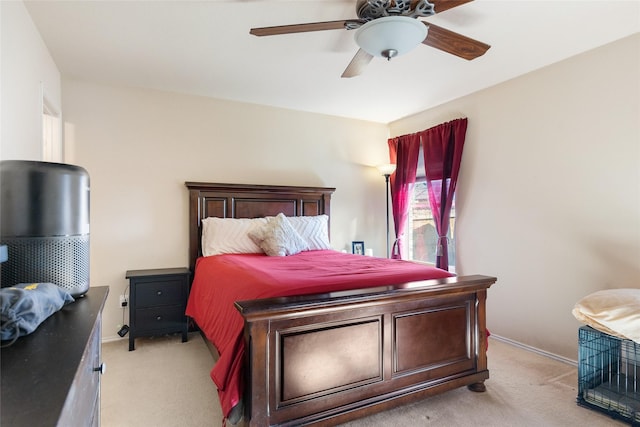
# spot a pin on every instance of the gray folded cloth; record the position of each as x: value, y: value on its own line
x: 26, y: 305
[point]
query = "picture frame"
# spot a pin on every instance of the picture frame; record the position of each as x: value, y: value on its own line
x: 357, y: 247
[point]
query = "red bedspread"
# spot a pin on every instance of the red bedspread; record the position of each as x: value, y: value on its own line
x: 223, y: 279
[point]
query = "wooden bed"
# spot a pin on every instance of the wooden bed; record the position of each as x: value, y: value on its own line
x: 397, y: 343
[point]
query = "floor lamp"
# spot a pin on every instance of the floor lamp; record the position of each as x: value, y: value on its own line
x: 386, y: 171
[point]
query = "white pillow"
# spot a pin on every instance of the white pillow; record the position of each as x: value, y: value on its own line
x: 313, y: 229
x: 229, y: 235
x: 278, y: 238
x: 612, y: 311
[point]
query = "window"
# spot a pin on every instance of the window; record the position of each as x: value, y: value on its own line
x: 422, y: 240
x: 422, y: 236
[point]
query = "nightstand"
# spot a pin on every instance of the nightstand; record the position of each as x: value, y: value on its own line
x: 157, y: 302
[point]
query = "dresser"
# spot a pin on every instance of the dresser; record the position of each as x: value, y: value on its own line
x: 157, y: 303
x: 51, y: 377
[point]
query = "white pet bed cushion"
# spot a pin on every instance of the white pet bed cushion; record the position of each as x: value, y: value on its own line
x: 613, y: 311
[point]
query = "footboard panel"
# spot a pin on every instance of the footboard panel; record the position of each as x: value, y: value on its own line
x: 437, y: 339
x: 322, y: 360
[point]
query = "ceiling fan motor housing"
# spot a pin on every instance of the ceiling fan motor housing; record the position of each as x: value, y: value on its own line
x: 368, y: 10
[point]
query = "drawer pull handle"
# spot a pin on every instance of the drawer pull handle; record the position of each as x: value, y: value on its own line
x: 159, y: 318
x: 159, y: 293
x: 102, y: 368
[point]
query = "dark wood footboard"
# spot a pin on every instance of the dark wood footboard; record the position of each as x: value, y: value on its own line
x: 326, y: 359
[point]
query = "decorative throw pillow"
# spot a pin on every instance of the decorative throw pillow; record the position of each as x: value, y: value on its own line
x: 229, y: 235
x: 313, y: 229
x: 278, y: 238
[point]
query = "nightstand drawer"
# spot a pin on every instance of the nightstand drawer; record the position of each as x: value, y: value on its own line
x: 149, y: 319
x: 159, y: 292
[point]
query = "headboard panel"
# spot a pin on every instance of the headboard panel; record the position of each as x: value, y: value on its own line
x: 249, y: 201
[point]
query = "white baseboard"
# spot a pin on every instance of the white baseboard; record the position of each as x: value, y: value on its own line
x: 535, y: 350
x: 113, y: 338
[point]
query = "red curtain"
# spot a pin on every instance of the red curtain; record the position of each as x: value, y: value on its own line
x: 403, y: 152
x: 442, y: 149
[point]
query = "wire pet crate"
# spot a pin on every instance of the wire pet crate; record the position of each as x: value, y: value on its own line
x: 609, y: 375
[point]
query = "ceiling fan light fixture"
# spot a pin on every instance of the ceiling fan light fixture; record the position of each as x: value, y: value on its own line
x: 397, y: 34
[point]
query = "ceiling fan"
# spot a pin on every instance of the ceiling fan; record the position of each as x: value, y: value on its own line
x: 388, y: 28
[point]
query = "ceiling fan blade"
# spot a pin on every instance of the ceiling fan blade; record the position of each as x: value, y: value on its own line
x: 454, y: 43
x: 299, y: 28
x: 357, y: 64
x: 440, y: 6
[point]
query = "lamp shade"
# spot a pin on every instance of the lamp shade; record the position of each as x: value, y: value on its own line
x: 391, y: 35
x: 387, y: 169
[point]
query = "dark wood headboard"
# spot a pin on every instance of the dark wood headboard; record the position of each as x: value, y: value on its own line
x: 249, y: 201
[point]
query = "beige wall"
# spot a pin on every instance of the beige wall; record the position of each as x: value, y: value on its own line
x: 548, y: 199
x: 140, y: 146
x: 28, y: 73
x: 549, y: 192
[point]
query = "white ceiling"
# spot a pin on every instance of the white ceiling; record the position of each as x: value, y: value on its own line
x: 204, y: 48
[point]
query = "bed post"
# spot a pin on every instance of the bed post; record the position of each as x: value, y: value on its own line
x: 481, y: 298
x: 194, y: 216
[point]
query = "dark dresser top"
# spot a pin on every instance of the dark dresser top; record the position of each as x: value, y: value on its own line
x: 38, y: 369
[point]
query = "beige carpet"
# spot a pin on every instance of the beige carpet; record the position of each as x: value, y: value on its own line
x: 165, y: 383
